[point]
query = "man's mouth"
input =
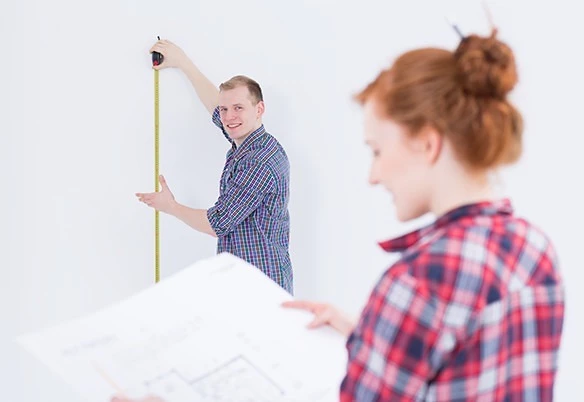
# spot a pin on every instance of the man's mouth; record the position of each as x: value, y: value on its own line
x: 232, y: 126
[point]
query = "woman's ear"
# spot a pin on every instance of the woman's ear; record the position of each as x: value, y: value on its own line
x: 431, y: 143
x: 427, y: 143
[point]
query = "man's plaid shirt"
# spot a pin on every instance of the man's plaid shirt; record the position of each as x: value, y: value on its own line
x: 251, y: 216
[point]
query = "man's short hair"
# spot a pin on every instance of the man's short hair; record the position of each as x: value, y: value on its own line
x: 253, y: 87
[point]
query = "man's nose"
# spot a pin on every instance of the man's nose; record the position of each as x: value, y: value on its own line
x: 230, y: 115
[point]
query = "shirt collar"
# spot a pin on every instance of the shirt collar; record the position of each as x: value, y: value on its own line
x: 254, y: 135
x: 485, y: 208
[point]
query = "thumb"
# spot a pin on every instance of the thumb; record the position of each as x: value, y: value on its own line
x: 162, y: 181
x: 318, y: 321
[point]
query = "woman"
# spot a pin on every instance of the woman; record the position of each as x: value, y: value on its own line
x: 473, y: 310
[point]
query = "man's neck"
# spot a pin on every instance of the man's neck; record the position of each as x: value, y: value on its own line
x: 240, y: 141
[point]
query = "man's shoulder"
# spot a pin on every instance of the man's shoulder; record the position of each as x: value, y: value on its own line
x: 268, y: 150
x: 269, y: 140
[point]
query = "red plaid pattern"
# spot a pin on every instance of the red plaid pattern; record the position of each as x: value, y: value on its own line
x: 472, y: 311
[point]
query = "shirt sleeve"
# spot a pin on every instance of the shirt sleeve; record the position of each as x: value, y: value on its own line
x: 244, y: 194
x: 217, y: 121
x: 393, y: 351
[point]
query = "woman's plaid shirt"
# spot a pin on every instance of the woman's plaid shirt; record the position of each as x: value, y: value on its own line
x: 472, y: 311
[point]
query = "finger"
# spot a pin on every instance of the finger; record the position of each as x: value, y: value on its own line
x: 146, y: 197
x: 148, y: 202
x: 293, y: 304
x: 120, y: 399
x: 300, y: 304
x: 157, y: 47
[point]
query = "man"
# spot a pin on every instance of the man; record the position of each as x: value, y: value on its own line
x: 250, y: 218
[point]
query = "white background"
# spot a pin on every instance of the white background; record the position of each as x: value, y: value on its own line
x: 76, y: 143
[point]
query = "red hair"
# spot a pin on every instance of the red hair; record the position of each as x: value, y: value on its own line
x: 462, y: 94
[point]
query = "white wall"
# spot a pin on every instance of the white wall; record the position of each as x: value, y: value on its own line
x: 79, y: 144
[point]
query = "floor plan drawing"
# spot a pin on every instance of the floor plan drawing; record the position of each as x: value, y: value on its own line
x: 237, y: 380
x: 213, y: 332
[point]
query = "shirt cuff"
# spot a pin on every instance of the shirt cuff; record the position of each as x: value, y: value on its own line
x: 214, y: 217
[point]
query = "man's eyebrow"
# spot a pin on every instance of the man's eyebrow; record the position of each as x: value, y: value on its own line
x: 235, y: 104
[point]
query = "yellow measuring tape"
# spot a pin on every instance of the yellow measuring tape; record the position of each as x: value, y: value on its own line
x: 157, y: 59
x: 156, y: 175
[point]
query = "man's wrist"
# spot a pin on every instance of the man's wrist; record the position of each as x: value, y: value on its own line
x: 174, y: 208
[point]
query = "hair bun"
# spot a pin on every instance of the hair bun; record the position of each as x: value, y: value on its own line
x: 486, y: 66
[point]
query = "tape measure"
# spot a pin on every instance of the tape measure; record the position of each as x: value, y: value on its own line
x: 156, y: 60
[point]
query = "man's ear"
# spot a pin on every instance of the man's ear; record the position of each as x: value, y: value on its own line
x: 261, y: 107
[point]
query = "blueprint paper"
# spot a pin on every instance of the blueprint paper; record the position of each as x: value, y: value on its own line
x: 215, y: 331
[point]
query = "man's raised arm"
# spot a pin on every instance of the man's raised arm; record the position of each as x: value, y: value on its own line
x: 175, y: 57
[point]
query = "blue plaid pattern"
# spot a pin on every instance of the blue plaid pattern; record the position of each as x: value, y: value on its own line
x: 251, y: 217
